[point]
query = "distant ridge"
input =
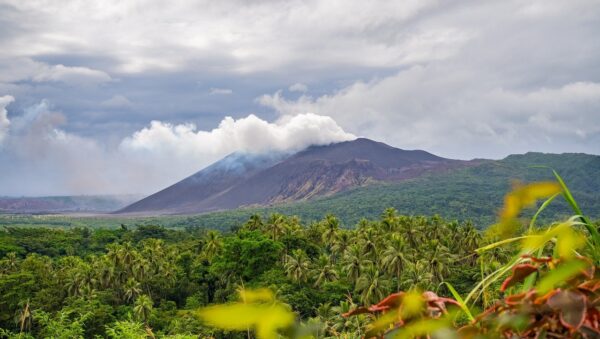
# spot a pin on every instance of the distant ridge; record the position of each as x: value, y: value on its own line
x: 65, y: 204
x: 251, y: 180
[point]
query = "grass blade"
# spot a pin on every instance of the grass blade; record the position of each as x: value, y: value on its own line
x: 460, y: 301
x: 498, y: 243
x: 542, y: 207
x: 569, y: 197
x: 567, y: 194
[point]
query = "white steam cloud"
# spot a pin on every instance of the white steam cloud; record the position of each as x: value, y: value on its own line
x: 4, y: 122
x: 53, y: 161
x: 250, y: 134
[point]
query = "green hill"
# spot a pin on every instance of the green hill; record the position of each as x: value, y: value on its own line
x: 472, y: 193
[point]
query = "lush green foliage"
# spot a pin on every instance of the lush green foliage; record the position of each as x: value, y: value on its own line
x: 110, y: 282
x: 150, y: 281
x: 551, y: 285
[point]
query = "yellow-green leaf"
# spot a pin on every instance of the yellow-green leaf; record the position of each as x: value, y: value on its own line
x: 559, y: 275
x: 265, y: 319
x: 257, y: 295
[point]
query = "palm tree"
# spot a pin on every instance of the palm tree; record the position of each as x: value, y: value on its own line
x: 103, y: 270
x: 132, y: 289
x: 143, y: 308
x: 470, y: 241
x: 369, y: 243
x: 418, y: 275
x: 394, y: 258
x: 127, y: 255
x: 297, y: 266
x: 389, y: 219
x: 75, y: 283
x: 275, y: 226
x: 254, y: 222
x: 354, y: 263
x: 372, y: 286
x: 411, y: 230
x: 212, y: 244
x: 439, y: 258
x: 331, y: 225
x: 113, y: 255
x: 10, y: 263
x: 290, y: 233
x: 154, y: 255
x: 343, y: 240
x: 341, y: 327
x: 324, y: 271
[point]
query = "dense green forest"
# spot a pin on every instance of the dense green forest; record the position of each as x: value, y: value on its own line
x: 108, y: 282
x: 308, y: 279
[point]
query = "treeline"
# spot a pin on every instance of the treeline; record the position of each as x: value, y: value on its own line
x: 148, y: 281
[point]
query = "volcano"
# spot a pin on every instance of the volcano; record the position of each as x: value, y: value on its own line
x: 242, y: 180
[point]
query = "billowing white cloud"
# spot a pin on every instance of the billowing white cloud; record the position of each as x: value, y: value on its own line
x: 53, y: 161
x: 187, y: 149
x: 4, y: 122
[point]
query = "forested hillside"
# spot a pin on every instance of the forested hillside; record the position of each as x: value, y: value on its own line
x: 473, y: 193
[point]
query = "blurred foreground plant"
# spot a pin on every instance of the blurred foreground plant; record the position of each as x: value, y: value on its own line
x: 257, y: 310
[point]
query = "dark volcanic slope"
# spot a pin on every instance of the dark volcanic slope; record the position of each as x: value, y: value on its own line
x: 212, y: 180
x: 316, y: 171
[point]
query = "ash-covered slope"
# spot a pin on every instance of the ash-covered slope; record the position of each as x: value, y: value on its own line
x: 316, y: 171
x: 200, y: 186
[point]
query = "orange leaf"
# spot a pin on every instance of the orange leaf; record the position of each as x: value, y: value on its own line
x: 520, y: 272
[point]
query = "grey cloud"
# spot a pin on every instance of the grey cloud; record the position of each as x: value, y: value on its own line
x: 459, y: 119
x: 26, y: 69
x: 117, y: 101
x: 71, y: 75
x: 220, y: 91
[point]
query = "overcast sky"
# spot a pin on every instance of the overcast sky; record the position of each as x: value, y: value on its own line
x: 119, y: 96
